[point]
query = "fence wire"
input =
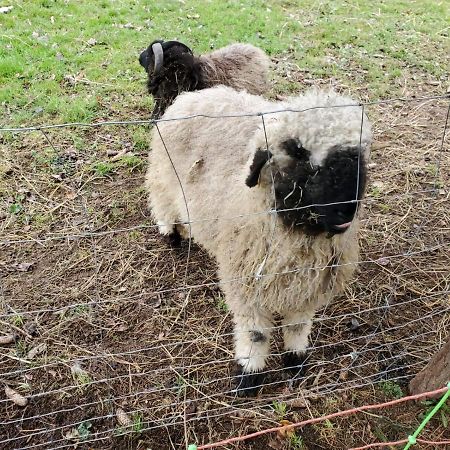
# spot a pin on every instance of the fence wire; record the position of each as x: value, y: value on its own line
x: 69, y: 403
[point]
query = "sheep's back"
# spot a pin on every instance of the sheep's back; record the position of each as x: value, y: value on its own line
x: 209, y: 155
x: 240, y: 66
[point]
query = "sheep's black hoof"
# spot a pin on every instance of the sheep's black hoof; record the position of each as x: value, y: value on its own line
x: 294, y: 363
x: 174, y: 239
x: 248, y: 384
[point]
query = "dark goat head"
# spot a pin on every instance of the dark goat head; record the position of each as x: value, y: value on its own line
x: 152, y: 59
x: 172, y: 69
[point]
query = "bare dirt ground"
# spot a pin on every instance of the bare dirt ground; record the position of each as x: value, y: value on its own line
x: 114, y: 323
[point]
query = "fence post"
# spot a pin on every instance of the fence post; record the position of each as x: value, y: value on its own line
x: 435, y: 374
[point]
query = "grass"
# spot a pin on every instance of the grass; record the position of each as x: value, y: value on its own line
x: 222, y: 305
x: 280, y: 409
x: 102, y: 169
x: 21, y: 348
x: 84, y: 430
x: 391, y: 389
x: 137, y: 425
x: 16, y: 207
x: 77, y: 61
x: 296, y: 442
x: 17, y: 320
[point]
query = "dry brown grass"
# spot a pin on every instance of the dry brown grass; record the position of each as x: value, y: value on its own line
x: 122, y: 330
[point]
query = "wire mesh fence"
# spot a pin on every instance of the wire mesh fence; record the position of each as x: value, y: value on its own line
x: 112, y: 337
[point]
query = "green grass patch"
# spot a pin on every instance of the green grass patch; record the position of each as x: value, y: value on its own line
x: 221, y: 304
x: 280, y: 409
x: 78, y: 61
x: 391, y: 389
x: 129, y: 162
x: 295, y: 442
x: 103, y: 169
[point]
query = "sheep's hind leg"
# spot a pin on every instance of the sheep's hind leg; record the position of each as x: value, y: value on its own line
x: 252, y: 341
x: 296, y: 329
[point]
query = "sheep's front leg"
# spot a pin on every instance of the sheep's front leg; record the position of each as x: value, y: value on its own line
x: 252, y: 343
x: 296, y: 329
x: 163, y: 206
x: 165, y: 217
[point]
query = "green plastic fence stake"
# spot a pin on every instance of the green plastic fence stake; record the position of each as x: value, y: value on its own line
x: 192, y: 447
x: 412, y: 439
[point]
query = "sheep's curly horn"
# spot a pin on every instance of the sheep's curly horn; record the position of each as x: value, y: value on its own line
x: 159, y: 57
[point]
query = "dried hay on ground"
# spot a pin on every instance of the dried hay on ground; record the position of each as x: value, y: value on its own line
x: 123, y: 333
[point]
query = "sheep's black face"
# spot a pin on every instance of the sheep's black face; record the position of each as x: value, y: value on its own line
x: 326, y: 194
x: 171, y: 50
x: 144, y: 59
x: 179, y: 72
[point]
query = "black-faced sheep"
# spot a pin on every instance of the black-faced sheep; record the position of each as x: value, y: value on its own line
x: 172, y: 68
x: 311, y: 171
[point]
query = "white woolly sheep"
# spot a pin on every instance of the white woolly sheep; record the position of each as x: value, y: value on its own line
x: 309, y: 173
x: 172, y: 68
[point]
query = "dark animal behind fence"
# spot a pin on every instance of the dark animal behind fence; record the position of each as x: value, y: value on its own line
x: 172, y: 68
x: 178, y: 71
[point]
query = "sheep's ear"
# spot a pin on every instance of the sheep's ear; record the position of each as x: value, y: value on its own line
x: 260, y: 158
